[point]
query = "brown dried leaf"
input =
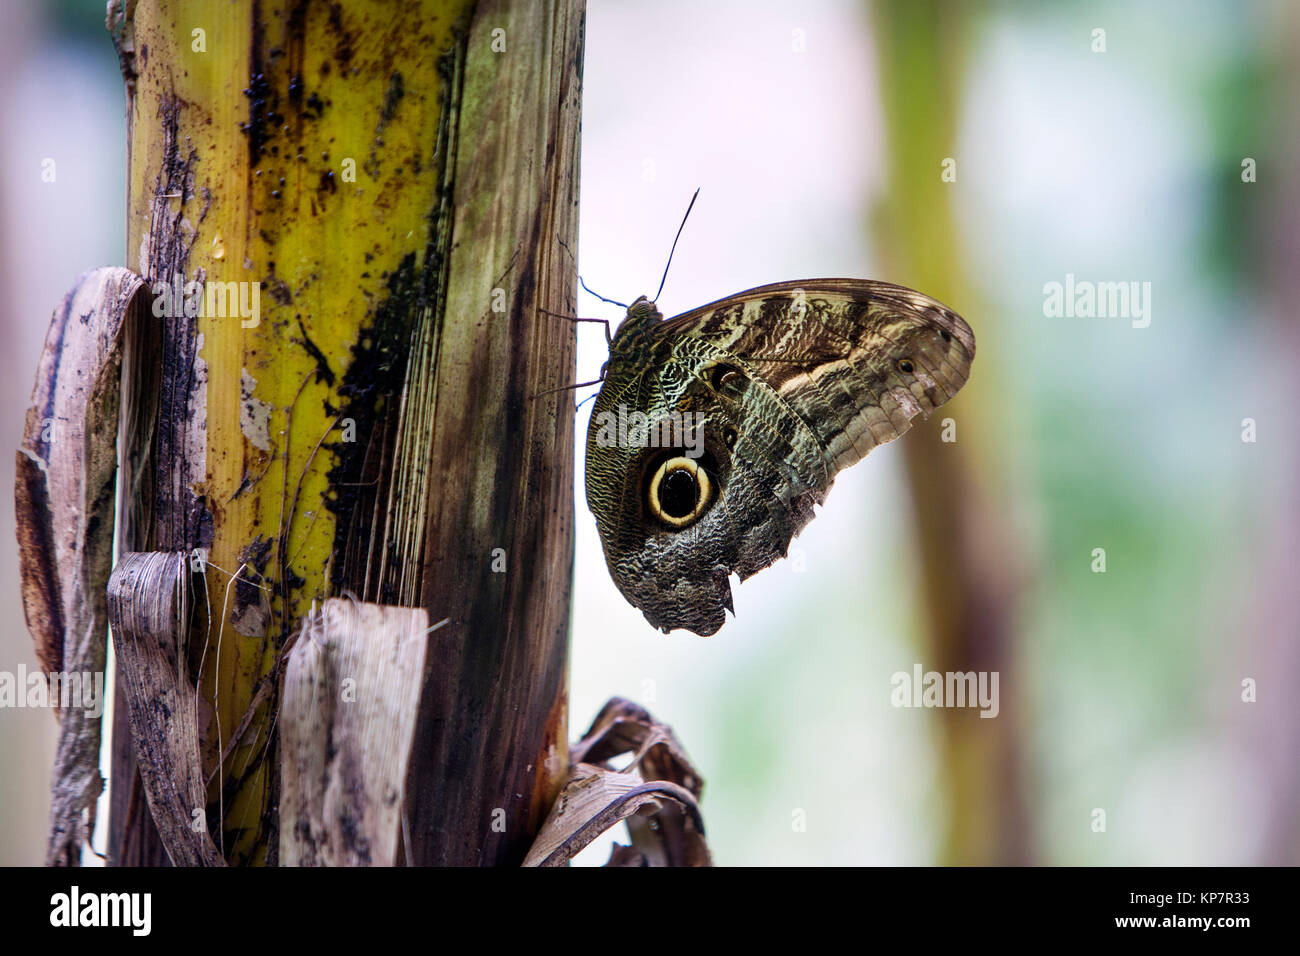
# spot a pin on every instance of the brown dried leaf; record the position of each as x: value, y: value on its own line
x: 351, y: 694
x: 657, y: 794
x: 148, y: 605
x: 65, y: 499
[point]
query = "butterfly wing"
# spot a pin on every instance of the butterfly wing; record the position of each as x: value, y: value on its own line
x: 788, y: 384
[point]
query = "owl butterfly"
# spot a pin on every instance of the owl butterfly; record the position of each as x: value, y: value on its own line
x: 716, y: 432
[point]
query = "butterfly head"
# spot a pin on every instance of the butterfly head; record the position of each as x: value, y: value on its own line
x: 642, y: 317
x: 643, y: 311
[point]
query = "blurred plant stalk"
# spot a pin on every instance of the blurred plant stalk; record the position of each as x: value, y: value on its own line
x: 970, y: 565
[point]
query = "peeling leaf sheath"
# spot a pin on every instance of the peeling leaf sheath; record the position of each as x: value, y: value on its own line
x: 65, y: 502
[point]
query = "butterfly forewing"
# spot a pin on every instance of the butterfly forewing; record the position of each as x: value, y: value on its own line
x: 790, y: 383
x: 833, y: 349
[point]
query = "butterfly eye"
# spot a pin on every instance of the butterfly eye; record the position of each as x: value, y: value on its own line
x: 680, y: 492
x: 905, y: 366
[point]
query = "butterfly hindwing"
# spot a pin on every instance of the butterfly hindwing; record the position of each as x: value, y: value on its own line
x: 787, y: 385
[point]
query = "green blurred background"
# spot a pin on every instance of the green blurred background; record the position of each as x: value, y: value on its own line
x: 818, y: 133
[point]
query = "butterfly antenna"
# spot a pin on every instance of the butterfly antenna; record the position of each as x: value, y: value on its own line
x: 674, y: 248
x: 599, y: 296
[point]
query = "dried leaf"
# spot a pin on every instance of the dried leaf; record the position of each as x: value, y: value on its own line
x: 148, y: 605
x: 347, y: 721
x: 657, y: 794
x: 64, y: 498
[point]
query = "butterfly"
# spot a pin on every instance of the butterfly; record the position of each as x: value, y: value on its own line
x: 715, y: 433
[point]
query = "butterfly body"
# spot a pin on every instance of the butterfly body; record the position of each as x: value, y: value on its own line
x: 716, y: 432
